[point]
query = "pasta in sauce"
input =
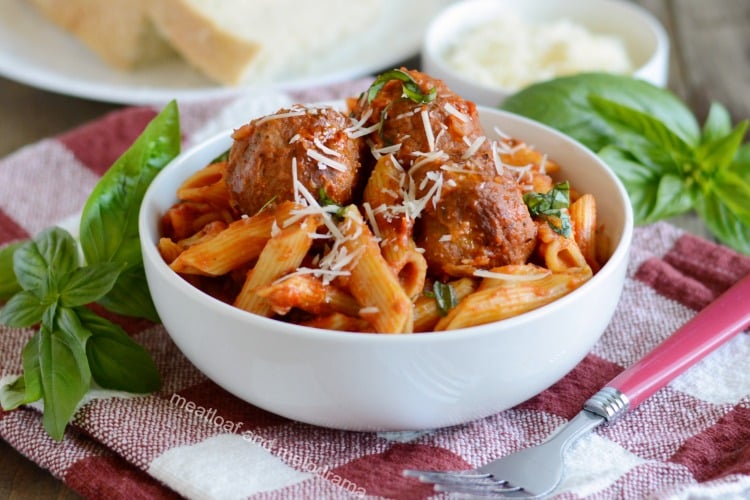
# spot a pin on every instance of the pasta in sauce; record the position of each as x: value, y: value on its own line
x: 401, y: 216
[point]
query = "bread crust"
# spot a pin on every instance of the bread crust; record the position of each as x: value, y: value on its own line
x: 202, y: 43
x: 120, y: 32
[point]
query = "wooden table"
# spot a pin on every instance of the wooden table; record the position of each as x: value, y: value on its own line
x: 710, y: 61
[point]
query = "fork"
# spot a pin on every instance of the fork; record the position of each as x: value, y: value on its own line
x: 536, y: 471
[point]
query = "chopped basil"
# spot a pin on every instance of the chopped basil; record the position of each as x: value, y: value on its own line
x: 551, y: 207
x: 444, y: 296
x: 326, y: 201
x: 410, y: 88
x: 267, y: 204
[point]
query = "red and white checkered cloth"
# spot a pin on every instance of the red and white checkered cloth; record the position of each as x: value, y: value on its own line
x: 690, y: 440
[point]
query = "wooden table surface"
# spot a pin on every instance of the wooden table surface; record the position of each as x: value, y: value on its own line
x: 709, y: 61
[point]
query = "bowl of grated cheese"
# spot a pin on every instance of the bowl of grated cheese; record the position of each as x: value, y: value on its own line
x: 488, y: 49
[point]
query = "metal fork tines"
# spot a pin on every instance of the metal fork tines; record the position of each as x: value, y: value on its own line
x: 527, y: 473
x: 468, y: 482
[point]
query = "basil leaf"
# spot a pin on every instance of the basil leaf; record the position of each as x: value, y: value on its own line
x: 741, y: 164
x: 409, y: 87
x: 65, y: 378
x: 22, y: 310
x: 444, y: 295
x: 131, y: 296
x: 26, y: 388
x: 654, y: 196
x: 728, y: 226
x: 734, y: 193
x: 718, y: 153
x: 643, y: 135
x: 109, y: 223
x: 549, y: 207
x: 68, y: 322
x: 117, y: 361
x: 13, y: 395
x: 87, y: 284
x: 32, y: 375
x: 8, y: 283
x: 718, y: 124
x: 53, y: 248
x: 565, y: 104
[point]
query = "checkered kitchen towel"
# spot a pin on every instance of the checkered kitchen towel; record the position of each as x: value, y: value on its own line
x: 692, y: 439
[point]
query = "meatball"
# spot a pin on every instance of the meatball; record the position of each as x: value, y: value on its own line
x: 477, y: 218
x: 476, y: 224
x: 260, y: 169
x: 453, y: 122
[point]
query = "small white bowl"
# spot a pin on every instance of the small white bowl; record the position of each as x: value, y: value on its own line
x: 643, y: 36
x: 362, y: 381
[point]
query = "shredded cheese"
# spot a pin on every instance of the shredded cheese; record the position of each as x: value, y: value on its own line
x: 371, y: 219
x: 451, y: 109
x: 483, y: 273
x: 324, y: 161
x: 358, y: 129
x: 386, y: 150
x: 428, y: 129
x: 319, y: 144
x: 281, y: 116
x: 474, y: 147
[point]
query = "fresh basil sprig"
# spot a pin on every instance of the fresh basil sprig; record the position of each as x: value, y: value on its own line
x: 410, y: 88
x: 73, y: 346
x: 46, y: 283
x: 551, y: 206
x: 652, y: 141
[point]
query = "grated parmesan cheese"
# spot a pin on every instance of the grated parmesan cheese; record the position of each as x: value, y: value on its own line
x: 450, y: 108
x: 428, y: 130
x: 325, y: 162
x: 510, y: 53
x: 483, y: 273
x: 473, y: 147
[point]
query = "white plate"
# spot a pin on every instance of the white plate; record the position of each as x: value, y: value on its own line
x: 35, y: 52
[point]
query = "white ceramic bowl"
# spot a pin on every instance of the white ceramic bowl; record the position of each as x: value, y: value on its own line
x: 392, y: 382
x: 644, y: 37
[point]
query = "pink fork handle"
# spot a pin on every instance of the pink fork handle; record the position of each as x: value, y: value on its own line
x: 710, y: 328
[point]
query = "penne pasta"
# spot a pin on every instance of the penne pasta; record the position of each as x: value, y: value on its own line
x: 382, y: 200
x: 384, y: 303
x: 583, y: 220
x: 169, y: 250
x: 207, y: 185
x: 560, y: 254
x: 282, y: 254
x: 240, y: 243
x: 188, y: 217
x: 495, y: 303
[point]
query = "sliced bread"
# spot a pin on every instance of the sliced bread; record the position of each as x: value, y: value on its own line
x: 240, y: 41
x: 119, y: 31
